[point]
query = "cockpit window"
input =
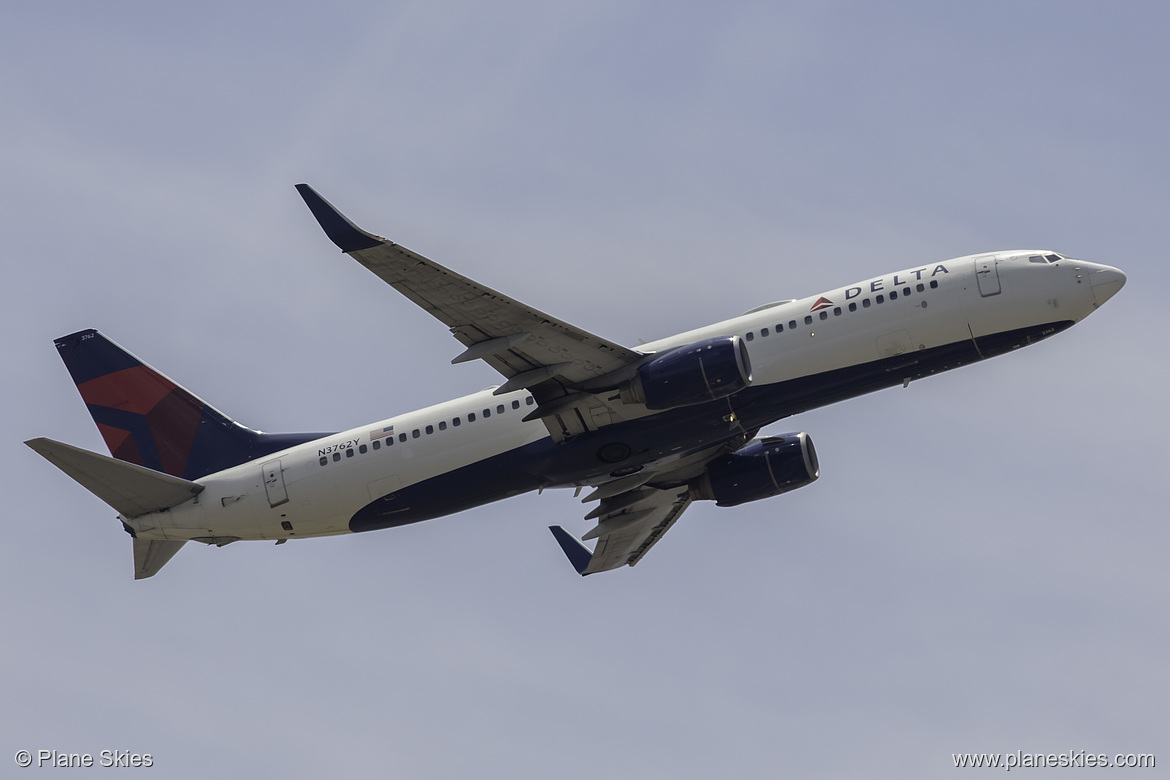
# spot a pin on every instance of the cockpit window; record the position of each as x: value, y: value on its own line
x: 1036, y: 259
x: 1053, y: 258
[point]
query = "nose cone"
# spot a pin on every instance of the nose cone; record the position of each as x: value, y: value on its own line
x: 1106, y: 281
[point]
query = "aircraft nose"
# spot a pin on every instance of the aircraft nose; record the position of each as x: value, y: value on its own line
x: 1106, y: 281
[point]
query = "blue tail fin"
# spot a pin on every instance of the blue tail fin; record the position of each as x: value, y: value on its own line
x: 148, y: 420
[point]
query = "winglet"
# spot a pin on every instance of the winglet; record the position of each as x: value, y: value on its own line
x: 348, y: 236
x: 577, y: 553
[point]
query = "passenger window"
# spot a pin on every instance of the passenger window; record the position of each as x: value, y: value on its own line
x: 336, y: 456
x: 865, y: 303
x: 471, y: 417
x: 377, y: 444
x: 457, y: 422
x: 500, y: 409
x: 529, y: 401
x: 853, y: 306
x: 905, y: 291
x: 824, y: 315
x: 893, y: 295
x: 837, y: 311
x: 349, y: 453
x: 415, y: 433
x: 402, y: 437
x: 808, y: 320
x: 362, y: 449
x: 324, y: 460
x: 749, y: 336
x: 442, y: 425
x: 934, y: 284
x: 920, y: 287
x: 515, y: 404
x: 880, y: 299
x: 764, y: 332
x: 487, y: 413
x: 792, y: 324
x: 430, y: 429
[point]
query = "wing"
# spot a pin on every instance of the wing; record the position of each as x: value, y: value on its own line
x: 533, y: 351
x: 636, y: 510
x: 629, y: 524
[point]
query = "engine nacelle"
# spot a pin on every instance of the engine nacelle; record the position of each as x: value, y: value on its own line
x: 764, y: 468
x: 703, y: 371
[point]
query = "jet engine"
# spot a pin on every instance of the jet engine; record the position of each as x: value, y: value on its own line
x: 702, y: 371
x: 762, y: 469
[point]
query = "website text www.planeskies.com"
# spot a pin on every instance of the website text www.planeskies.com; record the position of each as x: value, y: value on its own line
x: 1069, y: 759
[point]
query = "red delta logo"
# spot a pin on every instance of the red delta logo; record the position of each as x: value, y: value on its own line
x: 822, y: 303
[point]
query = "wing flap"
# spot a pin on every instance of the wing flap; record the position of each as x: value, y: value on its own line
x: 630, y: 542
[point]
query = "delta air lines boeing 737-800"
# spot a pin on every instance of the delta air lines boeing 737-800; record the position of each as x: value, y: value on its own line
x: 648, y: 429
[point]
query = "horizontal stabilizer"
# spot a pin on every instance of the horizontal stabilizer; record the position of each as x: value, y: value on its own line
x: 130, y: 489
x: 150, y: 555
x: 577, y: 553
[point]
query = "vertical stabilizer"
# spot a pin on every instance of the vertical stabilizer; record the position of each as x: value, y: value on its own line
x: 149, y: 420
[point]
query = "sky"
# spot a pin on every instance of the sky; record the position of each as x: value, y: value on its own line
x: 979, y: 569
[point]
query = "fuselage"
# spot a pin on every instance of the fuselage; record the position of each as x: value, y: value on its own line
x: 805, y: 353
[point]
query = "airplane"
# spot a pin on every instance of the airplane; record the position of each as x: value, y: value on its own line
x: 649, y: 429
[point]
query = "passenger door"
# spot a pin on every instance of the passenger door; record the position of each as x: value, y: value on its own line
x: 987, y: 272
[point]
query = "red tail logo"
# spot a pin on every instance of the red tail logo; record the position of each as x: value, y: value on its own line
x: 822, y: 303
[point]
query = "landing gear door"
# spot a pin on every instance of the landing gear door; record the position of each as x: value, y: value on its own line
x: 987, y: 272
x: 274, y: 483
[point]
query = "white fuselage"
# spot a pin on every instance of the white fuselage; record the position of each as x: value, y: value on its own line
x: 314, y: 489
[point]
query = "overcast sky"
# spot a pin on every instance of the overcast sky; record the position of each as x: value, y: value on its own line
x: 980, y: 568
